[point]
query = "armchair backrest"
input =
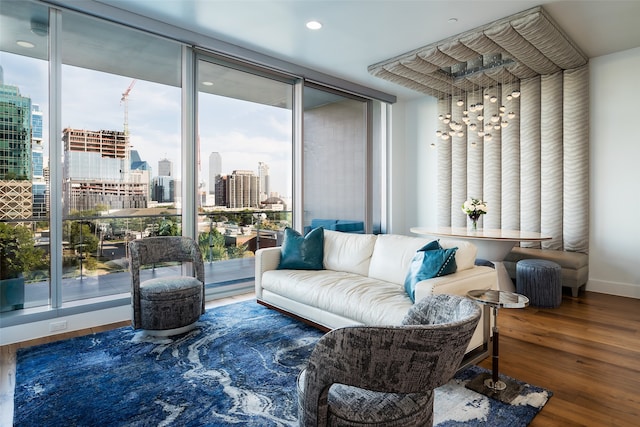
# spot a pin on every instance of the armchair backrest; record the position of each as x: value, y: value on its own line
x: 418, y: 356
x: 152, y: 250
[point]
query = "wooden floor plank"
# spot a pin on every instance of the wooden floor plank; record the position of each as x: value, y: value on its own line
x: 586, y: 351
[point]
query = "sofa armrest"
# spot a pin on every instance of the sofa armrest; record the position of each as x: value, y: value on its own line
x: 266, y: 259
x: 458, y: 283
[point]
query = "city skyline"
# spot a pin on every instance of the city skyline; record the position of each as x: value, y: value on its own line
x: 245, y: 134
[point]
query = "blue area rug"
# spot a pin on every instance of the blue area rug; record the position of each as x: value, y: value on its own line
x: 238, y: 367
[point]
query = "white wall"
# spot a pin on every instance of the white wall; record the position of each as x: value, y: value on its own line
x: 614, y: 231
x: 413, y: 170
x: 614, y: 253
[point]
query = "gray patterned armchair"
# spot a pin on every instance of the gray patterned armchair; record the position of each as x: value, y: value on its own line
x: 166, y: 305
x: 385, y: 376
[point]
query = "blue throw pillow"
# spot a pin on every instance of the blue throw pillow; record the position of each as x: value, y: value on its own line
x: 429, y: 263
x: 431, y: 246
x: 302, y: 252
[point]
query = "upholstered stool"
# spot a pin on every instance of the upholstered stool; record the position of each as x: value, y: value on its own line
x: 170, y: 302
x: 541, y: 281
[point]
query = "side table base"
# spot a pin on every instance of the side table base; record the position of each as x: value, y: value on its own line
x: 504, y: 390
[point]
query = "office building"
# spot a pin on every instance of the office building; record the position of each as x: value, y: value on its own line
x: 215, y: 170
x: 263, y: 178
x: 165, y: 167
x: 243, y: 190
x: 15, y: 153
x: 96, y: 173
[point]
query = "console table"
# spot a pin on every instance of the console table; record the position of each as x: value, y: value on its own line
x: 493, y: 245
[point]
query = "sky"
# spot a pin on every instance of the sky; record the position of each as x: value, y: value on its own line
x: 243, y: 133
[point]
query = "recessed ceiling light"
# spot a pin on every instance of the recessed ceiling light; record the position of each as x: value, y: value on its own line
x: 452, y: 20
x: 24, y: 43
x: 207, y: 83
x: 314, y: 25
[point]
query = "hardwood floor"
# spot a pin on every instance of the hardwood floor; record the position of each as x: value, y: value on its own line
x: 587, y: 352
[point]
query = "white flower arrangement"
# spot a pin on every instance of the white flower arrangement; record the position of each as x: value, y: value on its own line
x: 474, y: 208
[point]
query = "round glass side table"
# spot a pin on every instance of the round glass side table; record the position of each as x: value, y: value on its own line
x: 491, y: 385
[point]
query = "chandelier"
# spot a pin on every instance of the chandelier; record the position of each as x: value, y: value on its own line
x: 474, y: 116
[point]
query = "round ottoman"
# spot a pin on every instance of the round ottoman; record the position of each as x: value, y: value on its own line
x: 539, y: 280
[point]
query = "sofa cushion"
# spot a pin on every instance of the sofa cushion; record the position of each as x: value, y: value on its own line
x: 392, y: 255
x: 302, y: 252
x: 350, y: 226
x: 348, y: 252
x: 356, y: 297
x: 427, y: 264
x: 465, y: 255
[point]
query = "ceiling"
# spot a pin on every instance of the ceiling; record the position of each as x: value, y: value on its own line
x: 358, y: 33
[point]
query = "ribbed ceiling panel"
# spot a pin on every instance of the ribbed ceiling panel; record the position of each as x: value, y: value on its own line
x: 530, y: 38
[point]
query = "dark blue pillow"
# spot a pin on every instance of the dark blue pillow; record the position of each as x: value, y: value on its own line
x: 302, y: 252
x: 427, y: 264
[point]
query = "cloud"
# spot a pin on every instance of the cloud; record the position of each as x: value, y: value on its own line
x: 244, y: 133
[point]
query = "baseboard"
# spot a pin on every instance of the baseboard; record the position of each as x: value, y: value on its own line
x: 629, y: 290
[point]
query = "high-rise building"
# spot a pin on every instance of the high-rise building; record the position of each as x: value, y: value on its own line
x: 164, y: 187
x: 215, y: 170
x: 15, y: 153
x: 221, y: 190
x: 243, y: 190
x: 39, y: 187
x: 141, y: 171
x: 96, y: 173
x: 36, y: 122
x: 165, y: 167
x: 263, y: 177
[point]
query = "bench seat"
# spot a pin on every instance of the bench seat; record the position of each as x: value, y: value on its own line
x: 575, y: 265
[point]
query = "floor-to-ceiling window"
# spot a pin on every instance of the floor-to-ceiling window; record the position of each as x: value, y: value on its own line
x: 119, y: 145
x: 94, y: 151
x: 245, y: 166
x: 24, y: 154
x: 121, y: 142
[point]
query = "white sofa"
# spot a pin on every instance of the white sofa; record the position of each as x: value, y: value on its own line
x: 363, y: 283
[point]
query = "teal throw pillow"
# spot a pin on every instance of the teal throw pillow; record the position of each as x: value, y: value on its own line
x: 429, y: 263
x: 433, y: 245
x: 302, y: 252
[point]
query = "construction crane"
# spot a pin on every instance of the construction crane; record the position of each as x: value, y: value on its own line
x: 125, y: 100
x: 127, y: 146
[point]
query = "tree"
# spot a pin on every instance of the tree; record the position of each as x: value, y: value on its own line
x: 212, y: 245
x: 80, y: 236
x: 17, y: 251
x: 168, y: 228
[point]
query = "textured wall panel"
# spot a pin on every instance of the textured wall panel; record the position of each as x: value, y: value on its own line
x: 576, y: 159
x: 551, y: 215
x: 510, y: 164
x: 540, y: 31
x: 491, y: 192
x: 443, y: 214
x: 475, y: 164
x: 459, y: 175
x: 530, y: 157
